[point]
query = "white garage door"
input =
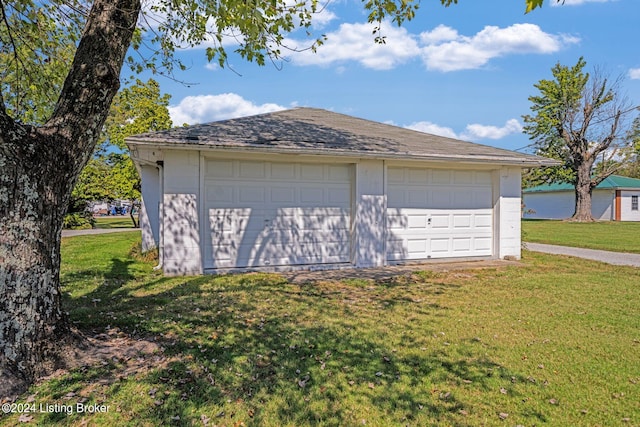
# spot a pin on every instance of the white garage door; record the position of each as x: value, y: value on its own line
x: 271, y: 214
x: 438, y: 213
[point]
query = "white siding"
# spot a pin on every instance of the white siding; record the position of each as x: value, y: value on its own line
x: 559, y: 205
x: 627, y: 213
x: 149, y: 217
x: 602, y: 205
x: 562, y: 205
x: 369, y: 249
x: 507, y: 208
x: 181, y: 231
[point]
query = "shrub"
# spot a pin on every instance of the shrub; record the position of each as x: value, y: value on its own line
x: 78, y: 221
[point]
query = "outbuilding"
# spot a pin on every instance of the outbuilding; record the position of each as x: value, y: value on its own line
x: 309, y: 188
x: 614, y: 199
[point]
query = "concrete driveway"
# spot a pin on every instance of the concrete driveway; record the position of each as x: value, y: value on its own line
x: 615, y: 258
x: 71, y: 233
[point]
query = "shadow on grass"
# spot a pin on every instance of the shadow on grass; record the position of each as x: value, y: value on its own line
x: 257, y: 349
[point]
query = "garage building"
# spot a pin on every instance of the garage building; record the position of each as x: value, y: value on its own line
x: 309, y: 188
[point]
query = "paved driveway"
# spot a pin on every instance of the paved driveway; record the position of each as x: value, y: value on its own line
x: 616, y: 258
x: 71, y: 233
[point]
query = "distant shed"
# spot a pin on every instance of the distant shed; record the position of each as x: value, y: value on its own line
x: 614, y: 199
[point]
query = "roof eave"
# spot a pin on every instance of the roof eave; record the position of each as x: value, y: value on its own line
x: 523, y: 162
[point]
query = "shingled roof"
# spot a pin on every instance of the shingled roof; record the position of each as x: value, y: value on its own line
x: 314, y: 131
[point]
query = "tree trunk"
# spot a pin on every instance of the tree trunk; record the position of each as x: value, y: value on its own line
x: 133, y: 218
x: 38, y: 169
x: 584, y: 189
x: 34, y: 195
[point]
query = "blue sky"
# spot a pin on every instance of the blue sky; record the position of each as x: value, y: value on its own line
x: 465, y: 71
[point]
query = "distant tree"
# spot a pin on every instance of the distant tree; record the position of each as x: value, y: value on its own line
x: 110, y: 174
x: 578, y: 118
x: 630, y: 163
x: 136, y: 109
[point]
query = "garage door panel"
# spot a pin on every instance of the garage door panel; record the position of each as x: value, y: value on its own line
x: 282, y: 195
x: 440, y: 177
x: 463, y: 177
x: 483, y: 220
x: 269, y: 214
x: 417, y: 221
x: 252, y: 170
x: 395, y: 176
x: 483, y: 244
x: 417, y: 246
x: 283, y: 171
x: 462, y: 221
x: 219, y: 169
x: 312, y: 172
x: 339, y: 196
x: 440, y: 221
x: 439, y: 213
x: 461, y: 244
x: 251, y: 195
x: 219, y: 194
x: 439, y: 246
x: 440, y: 199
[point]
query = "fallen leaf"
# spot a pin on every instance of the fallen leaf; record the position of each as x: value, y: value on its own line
x: 25, y: 418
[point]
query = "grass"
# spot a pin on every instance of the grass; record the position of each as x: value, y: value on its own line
x: 610, y: 236
x: 554, y: 342
x: 114, y: 222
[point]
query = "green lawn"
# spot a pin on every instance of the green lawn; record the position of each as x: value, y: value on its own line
x: 610, y: 236
x: 114, y: 222
x: 553, y: 342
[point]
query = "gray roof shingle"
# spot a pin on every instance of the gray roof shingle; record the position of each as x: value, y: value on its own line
x: 317, y: 131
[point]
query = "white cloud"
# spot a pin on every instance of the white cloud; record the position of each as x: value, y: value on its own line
x: 323, y: 17
x: 472, y: 132
x: 208, y: 108
x: 432, y: 128
x: 354, y: 42
x: 446, y: 50
x: 441, y: 49
x: 634, y: 73
x: 475, y: 132
x: 441, y: 33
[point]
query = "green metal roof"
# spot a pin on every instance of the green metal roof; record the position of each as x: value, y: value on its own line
x: 614, y: 182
